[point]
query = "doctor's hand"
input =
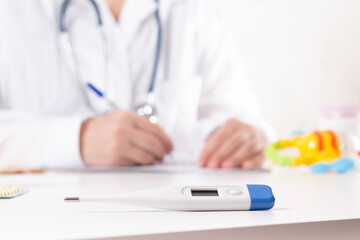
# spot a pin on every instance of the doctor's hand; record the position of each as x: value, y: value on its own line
x: 122, y: 138
x: 234, y: 144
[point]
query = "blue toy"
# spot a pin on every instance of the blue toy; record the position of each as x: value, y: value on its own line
x: 342, y: 165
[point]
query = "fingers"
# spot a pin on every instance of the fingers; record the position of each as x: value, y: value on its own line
x: 226, y: 149
x: 145, y: 125
x: 139, y: 156
x: 127, y: 153
x: 121, y: 138
x: 215, y: 140
x: 149, y: 143
x: 246, y: 163
x: 235, y: 144
x: 141, y: 139
x: 244, y: 154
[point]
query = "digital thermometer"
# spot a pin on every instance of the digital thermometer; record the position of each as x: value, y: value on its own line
x: 196, y: 198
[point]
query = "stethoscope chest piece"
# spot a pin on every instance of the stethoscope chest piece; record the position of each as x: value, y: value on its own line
x: 148, y: 111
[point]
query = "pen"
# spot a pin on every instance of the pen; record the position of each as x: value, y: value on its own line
x: 101, y: 95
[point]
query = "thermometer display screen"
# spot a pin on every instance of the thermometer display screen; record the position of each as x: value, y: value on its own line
x: 204, y: 193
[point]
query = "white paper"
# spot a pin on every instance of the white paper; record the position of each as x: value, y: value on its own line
x: 166, y: 167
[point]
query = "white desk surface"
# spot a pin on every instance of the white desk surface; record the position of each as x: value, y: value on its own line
x: 42, y: 213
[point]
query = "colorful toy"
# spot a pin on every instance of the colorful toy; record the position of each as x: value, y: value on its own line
x: 313, y: 147
x: 321, y: 149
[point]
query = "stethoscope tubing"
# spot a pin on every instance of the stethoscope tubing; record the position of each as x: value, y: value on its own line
x: 70, y: 51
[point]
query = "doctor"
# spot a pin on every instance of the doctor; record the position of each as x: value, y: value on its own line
x: 183, y: 50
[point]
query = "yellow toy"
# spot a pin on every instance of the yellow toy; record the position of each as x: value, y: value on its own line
x: 314, y: 147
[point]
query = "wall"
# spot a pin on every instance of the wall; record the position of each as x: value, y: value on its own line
x: 300, y: 55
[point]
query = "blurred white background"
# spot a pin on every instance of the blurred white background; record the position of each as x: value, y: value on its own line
x: 300, y: 55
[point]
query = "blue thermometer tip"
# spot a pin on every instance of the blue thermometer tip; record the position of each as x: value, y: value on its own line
x: 97, y: 91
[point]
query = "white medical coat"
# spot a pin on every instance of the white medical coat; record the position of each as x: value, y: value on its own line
x: 200, y: 80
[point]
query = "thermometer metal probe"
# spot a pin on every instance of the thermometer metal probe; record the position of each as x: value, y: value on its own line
x: 196, y: 198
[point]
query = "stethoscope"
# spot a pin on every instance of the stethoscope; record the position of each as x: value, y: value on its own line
x: 146, y: 109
